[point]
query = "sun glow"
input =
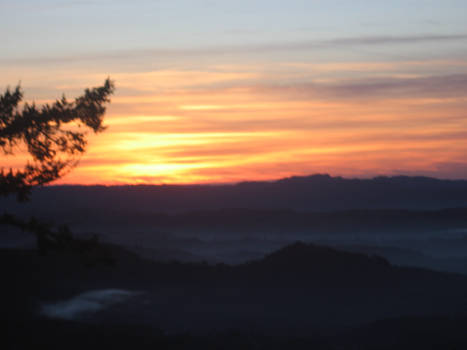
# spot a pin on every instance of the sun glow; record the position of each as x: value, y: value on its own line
x: 262, y: 122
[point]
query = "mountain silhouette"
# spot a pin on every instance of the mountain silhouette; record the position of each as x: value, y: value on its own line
x: 310, y: 193
x: 290, y: 291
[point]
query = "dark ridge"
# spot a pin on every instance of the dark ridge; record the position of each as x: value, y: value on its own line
x: 251, y: 222
x: 314, y: 265
x: 311, y: 193
x: 311, y: 256
x: 296, y: 289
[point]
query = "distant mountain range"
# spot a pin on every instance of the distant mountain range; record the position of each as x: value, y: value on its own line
x: 319, y: 193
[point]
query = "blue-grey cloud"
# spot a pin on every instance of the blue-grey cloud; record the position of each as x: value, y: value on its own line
x: 265, y: 48
x: 454, y: 85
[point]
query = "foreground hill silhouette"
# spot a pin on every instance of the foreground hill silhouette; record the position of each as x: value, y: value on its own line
x: 301, y: 291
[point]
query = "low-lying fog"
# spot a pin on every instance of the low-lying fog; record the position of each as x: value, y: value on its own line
x: 444, y: 250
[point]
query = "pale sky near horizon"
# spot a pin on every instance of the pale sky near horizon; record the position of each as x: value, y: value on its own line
x: 225, y: 91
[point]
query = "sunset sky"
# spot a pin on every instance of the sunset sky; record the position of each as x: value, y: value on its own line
x: 227, y: 91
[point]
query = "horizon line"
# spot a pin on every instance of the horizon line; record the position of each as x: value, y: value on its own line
x: 215, y: 184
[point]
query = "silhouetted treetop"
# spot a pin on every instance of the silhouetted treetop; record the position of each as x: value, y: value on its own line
x: 53, y: 134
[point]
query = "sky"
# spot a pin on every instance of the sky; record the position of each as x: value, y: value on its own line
x: 229, y: 91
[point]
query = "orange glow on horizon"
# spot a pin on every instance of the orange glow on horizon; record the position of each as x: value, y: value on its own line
x: 236, y: 123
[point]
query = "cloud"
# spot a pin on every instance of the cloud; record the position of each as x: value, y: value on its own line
x: 443, y: 170
x: 454, y: 85
x: 439, y: 86
x: 388, y: 40
x: 221, y: 50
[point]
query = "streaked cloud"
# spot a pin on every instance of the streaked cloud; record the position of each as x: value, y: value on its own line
x: 228, y: 103
x: 389, y: 87
x: 249, y: 49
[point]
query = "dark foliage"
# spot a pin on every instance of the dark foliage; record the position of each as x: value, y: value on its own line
x: 409, y: 333
x: 54, y: 135
x: 60, y: 239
